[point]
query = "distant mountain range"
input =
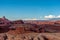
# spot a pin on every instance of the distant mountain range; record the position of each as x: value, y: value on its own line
x: 54, y: 19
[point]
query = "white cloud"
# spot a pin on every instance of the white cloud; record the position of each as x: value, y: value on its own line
x: 58, y: 16
x: 49, y: 16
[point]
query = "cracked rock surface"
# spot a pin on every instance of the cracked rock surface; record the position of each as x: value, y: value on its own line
x: 30, y: 36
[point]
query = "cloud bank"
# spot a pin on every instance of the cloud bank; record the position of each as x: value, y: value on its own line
x: 52, y: 17
x: 48, y: 17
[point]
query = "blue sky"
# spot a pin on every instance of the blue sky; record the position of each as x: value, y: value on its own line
x: 21, y: 9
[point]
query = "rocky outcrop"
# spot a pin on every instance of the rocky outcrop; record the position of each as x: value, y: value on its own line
x: 30, y: 36
x: 6, y: 24
x: 3, y: 36
x: 20, y: 26
x: 19, y: 30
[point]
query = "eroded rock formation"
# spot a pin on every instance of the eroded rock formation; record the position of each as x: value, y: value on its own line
x: 20, y: 26
x: 21, y: 30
